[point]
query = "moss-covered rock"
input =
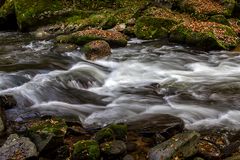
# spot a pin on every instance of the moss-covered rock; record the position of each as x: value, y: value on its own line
x: 115, y: 39
x: 156, y: 23
x: 105, y: 134
x: 114, y: 131
x: 119, y: 130
x: 208, y: 7
x: 206, y: 35
x: 96, y: 49
x: 7, y: 15
x: 32, y: 14
x: 86, y: 149
x: 47, y: 134
x: 219, y: 19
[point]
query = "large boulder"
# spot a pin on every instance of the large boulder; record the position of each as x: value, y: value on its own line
x: 208, y: 7
x: 19, y: 148
x: 155, y: 125
x: 115, y: 39
x: 205, y: 35
x: 156, y: 23
x: 33, y: 14
x: 96, y: 49
x: 180, y: 146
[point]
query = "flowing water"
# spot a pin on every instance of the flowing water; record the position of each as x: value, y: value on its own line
x: 202, y: 88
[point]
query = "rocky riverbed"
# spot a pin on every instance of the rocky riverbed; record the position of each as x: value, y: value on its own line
x: 93, y: 80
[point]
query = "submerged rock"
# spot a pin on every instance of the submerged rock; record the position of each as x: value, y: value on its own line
x: 180, y: 146
x: 62, y: 47
x: 19, y: 148
x: 96, y: 49
x: 115, y: 39
x: 86, y: 149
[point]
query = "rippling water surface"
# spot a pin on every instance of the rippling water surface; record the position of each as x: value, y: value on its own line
x: 202, y: 88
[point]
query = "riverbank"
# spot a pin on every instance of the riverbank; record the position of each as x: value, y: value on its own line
x: 207, y: 24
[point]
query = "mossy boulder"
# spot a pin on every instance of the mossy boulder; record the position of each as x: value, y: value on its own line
x: 7, y: 15
x: 115, y: 39
x: 205, y: 35
x: 86, y: 149
x: 96, y: 49
x: 156, y: 23
x: 208, y: 7
x: 47, y: 134
x: 112, y: 132
x: 122, y: 15
x: 33, y: 14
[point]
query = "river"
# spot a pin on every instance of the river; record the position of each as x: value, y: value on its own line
x: 202, y: 88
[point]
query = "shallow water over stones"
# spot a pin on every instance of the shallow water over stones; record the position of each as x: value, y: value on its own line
x: 201, y: 88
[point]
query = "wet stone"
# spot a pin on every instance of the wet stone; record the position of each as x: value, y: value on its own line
x: 96, y: 49
x: 7, y: 101
x: 180, y: 146
x: 128, y: 157
x: 208, y: 150
x: 2, y: 121
x: 152, y: 125
x: 19, y: 148
x: 113, y: 148
x: 61, y: 48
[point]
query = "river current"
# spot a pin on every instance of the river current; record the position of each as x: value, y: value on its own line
x: 202, y: 88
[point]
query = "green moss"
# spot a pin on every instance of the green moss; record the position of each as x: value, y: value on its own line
x: 105, y: 134
x: 229, y: 6
x: 31, y: 14
x: 7, y: 16
x: 119, y: 130
x: 151, y: 28
x: 219, y: 19
x: 7, y: 9
x: 86, y: 149
x: 50, y: 126
x: 216, y: 37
